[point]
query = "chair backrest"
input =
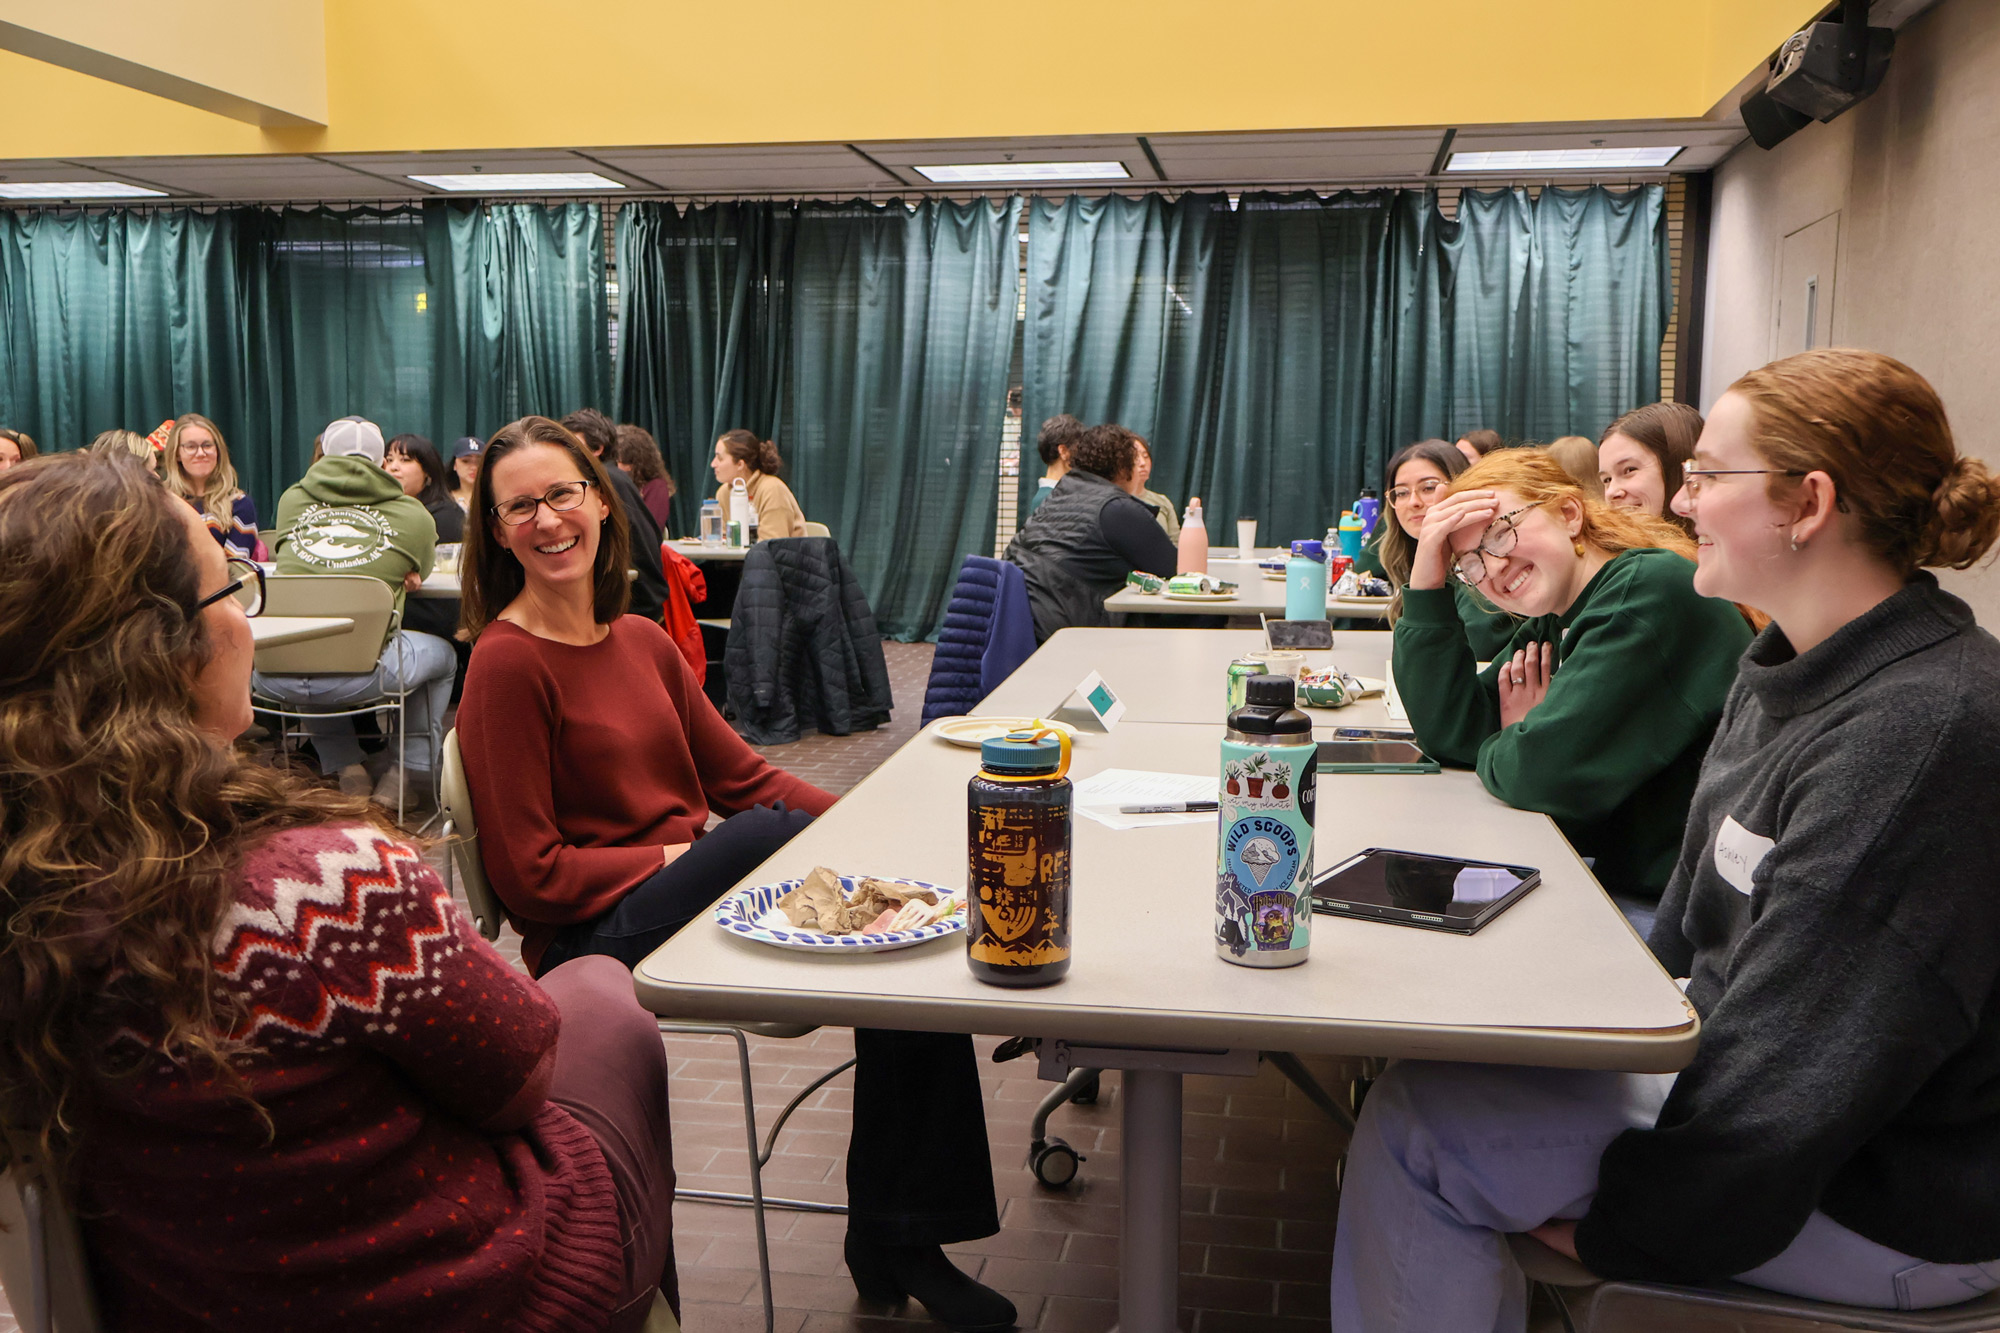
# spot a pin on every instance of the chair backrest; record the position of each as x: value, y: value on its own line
x: 461, y: 832
x: 42, y: 1261
x: 812, y: 529
x: 365, y: 600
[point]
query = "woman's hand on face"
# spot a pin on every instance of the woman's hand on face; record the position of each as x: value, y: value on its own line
x: 1524, y: 681
x: 1467, y: 509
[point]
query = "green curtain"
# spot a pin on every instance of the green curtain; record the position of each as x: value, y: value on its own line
x: 1322, y: 334
x: 522, y: 314
x: 703, y: 329
x: 902, y: 334
x: 441, y: 320
x: 1123, y: 323
x: 1558, y: 308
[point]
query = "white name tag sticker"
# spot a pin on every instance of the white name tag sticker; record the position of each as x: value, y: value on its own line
x: 1738, y: 853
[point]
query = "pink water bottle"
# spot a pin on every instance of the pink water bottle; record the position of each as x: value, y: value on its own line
x: 1194, y: 541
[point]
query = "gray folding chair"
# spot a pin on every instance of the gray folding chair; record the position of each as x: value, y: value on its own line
x: 42, y: 1262
x: 366, y: 601
x: 1589, y: 1304
x: 461, y: 835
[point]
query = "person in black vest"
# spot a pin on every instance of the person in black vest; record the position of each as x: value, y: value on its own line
x: 1079, y: 546
x: 1833, y: 913
x: 649, y: 586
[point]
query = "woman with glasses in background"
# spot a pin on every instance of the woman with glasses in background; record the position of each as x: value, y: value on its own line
x: 196, y: 467
x: 1598, y: 710
x: 1418, y: 476
x: 595, y: 760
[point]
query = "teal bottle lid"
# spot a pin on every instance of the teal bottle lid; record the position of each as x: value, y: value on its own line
x: 1021, y: 752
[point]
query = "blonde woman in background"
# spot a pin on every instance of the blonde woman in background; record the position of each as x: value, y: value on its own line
x: 1579, y: 458
x: 197, y: 469
x: 15, y: 447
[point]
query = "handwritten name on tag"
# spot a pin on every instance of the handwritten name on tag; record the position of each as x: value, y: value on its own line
x: 1738, y: 853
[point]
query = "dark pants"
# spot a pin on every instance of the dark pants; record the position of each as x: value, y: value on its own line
x: 907, y: 1085
x: 611, y: 1074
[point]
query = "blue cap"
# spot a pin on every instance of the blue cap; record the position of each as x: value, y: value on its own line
x: 1021, y: 752
x: 1311, y: 550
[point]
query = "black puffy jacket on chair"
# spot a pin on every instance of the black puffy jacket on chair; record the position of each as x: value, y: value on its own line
x: 803, y: 648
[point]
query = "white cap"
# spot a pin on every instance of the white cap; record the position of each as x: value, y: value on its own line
x: 352, y: 435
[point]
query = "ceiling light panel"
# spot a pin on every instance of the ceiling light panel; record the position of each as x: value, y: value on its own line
x: 76, y: 190
x: 538, y: 182
x: 1564, y: 159
x: 971, y: 173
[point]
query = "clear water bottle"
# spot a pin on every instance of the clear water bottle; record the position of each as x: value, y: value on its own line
x: 739, y: 510
x: 711, y: 523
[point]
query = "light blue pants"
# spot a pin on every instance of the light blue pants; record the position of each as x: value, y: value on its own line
x: 421, y: 663
x: 1448, y: 1158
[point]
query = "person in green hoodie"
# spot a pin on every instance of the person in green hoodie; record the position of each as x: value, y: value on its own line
x: 1417, y: 478
x: 349, y: 516
x: 1598, y: 711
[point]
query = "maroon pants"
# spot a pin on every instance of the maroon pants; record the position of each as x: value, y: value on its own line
x: 611, y: 1074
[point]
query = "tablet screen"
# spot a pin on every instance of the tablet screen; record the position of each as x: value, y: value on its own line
x: 1434, y: 885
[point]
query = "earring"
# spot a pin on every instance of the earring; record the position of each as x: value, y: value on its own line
x: 1796, y: 544
x: 1579, y: 547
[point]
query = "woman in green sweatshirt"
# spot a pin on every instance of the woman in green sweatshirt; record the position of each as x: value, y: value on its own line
x: 1599, y: 709
x: 1836, y: 1135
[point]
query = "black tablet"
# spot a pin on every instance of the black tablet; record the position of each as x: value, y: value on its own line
x: 1414, y: 889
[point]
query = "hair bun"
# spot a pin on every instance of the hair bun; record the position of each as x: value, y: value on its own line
x: 768, y: 461
x: 1965, y: 518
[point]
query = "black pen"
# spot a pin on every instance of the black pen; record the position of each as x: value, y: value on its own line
x: 1177, y: 808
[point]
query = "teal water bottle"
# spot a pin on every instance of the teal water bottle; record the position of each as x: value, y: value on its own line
x: 1305, y: 582
x: 1351, y: 532
x: 1264, y: 853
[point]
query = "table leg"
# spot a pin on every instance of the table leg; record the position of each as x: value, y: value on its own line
x: 1150, y: 1258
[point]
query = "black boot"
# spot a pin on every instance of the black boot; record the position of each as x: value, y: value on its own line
x: 889, y: 1273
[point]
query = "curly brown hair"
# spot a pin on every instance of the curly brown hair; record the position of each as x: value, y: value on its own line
x: 122, y: 822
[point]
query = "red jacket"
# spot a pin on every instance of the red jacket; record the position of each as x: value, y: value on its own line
x: 685, y: 587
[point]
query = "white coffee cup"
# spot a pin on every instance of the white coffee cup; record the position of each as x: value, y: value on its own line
x: 1281, y: 661
x: 1246, y: 537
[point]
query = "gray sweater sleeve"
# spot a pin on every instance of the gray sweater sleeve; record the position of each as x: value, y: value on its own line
x: 1857, y: 968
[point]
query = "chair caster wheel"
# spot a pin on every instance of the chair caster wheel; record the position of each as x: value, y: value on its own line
x: 1357, y: 1093
x: 1054, y: 1162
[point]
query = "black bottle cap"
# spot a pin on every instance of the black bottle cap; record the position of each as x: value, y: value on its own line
x: 1268, y: 691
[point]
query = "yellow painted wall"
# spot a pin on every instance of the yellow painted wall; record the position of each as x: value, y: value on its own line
x: 268, y: 52
x: 447, y: 74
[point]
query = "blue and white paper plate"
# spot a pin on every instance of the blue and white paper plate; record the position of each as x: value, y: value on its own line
x: 753, y: 913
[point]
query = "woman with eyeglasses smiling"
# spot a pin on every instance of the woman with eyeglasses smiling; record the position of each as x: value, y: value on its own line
x: 1419, y: 475
x: 1597, y: 711
x: 1833, y: 915
x: 595, y: 760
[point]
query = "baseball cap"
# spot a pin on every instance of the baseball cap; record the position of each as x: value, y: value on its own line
x: 467, y: 446
x: 352, y: 435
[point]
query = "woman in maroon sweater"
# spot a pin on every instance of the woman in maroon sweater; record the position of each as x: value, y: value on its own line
x: 287, y: 1083
x: 595, y: 759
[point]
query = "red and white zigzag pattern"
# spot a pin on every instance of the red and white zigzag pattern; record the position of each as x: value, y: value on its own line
x: 331, y: 920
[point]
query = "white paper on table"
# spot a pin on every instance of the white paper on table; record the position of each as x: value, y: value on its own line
x: 1099, y: 796
x: 1397, y: 713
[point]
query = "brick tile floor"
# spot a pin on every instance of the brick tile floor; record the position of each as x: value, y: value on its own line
x: 1257, y: 1203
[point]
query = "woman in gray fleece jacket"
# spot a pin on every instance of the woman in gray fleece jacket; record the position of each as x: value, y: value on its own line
x: 1835, y: 911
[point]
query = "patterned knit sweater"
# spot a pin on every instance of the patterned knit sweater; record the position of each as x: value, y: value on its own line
x: 381, y: 1031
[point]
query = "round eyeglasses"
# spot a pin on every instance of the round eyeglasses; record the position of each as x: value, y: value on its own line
x: 1500, y: 537
x: 1425, y: 489
x: 561, y: 497
x: 246, y: 585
